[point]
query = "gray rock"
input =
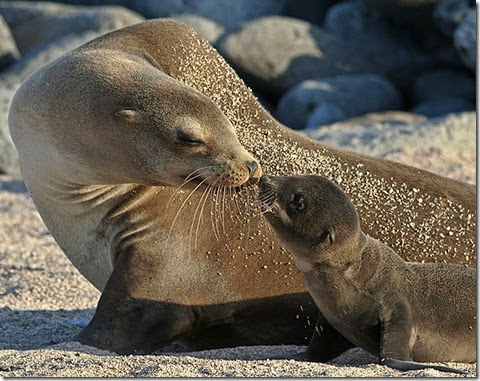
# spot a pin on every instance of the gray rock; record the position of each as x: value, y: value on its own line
x: 438, y: 107
x: 208, y: 29
x: 465, y: 39
x: 326, y: 113
x: 353, y: 94
x: 449, y: 13
x: 380, y: 137
x: 276, y: 53
x: 353, y: 19
x: 9, y: 53
x: 36, y: 23
x: 12, y: 78
x: 229, y: 14
x: 441, y: 84
x: 388, y: 46
x: 8, y: 153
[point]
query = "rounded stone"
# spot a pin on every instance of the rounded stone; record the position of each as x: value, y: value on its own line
x: 441, y: 84
x: 228, y: 14
x: 276, y: 53
x: 449, y: 13
x: 326, y: 113
x: 36, y: 23
x: 439, y: 107
x: 390, y: 47
x: 465, y: 39
x: 353, y: 94
x: 9, y: 53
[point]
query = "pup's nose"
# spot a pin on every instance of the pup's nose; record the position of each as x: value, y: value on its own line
x: 264, y: 180
x: 252, y: 167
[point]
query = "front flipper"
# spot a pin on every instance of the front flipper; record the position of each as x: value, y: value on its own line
x: 326, y: 342
x: 404, y: 366
x: 395, y: 347
x: 133, y: 315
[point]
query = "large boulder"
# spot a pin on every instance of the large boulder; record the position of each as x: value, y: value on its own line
x: 449, y: 13
x: 388, y: 46
x: 441, y: 84
x: 444, y: 106
x: 12, y: 78
x: 275, y: 53
x: 36, y: 23
x: 9, y: 53
x: 465, y: 39
x: 349, y: 93
x: 229, y: 14
x: 326, y: 113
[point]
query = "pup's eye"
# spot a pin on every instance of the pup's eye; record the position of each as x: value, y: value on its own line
x: 188, y: 140
x: 298, y: 201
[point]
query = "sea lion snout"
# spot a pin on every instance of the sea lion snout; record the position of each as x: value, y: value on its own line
x: 254, y: 171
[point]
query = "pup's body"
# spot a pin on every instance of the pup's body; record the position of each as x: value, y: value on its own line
x: 399, y: 311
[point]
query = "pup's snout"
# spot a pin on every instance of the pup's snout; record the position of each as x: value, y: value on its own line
x: 264, y: 180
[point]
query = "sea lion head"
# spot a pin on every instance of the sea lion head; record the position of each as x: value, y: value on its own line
x: 184, y: 135
x: 312, y: 217
x: 118, y: 119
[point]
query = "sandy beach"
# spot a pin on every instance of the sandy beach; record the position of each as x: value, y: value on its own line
x: 43, y: 297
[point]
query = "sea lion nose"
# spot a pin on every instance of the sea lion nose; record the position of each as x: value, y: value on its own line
x: 252, y: 167
x: 264, y: 180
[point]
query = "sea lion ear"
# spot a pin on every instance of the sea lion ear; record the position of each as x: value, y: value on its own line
x: 331, y: 235
x: 128, y: 115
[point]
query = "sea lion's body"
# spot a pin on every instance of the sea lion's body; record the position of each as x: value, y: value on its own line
x: 155, y: 289
x: 399, y: 311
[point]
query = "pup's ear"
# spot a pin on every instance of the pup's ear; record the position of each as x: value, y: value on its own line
x: 331, y: 235
x: 128, y: 115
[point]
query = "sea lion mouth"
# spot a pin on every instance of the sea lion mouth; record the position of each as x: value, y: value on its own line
x: 267, y: 195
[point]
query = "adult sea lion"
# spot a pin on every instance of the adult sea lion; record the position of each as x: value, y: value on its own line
x: 402, y: 312
x: 92, y: 129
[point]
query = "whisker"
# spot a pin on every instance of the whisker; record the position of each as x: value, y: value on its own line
x: 186, y: 181
x: 179, y: 210
x: 230, y: 204
x: 223, y: 208
x: 212, y: 214
x: 193, y: 220
x: 248, y: 215
x: 217, y: 207
x: 201, y: 215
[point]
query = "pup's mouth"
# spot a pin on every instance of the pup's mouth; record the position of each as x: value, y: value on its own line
x: 267, y: 195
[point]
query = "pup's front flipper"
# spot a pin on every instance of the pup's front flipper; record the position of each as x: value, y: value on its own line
x: 403, y: 366
x: 325, y: 344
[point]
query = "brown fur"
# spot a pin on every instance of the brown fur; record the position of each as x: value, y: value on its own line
x: 394, y: 309
x: 97, y: 195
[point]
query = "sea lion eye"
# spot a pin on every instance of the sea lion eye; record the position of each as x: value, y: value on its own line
x: 188, y: 140
x: 298, y: 202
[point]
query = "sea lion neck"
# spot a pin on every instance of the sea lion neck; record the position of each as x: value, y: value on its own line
x: 365, y: 267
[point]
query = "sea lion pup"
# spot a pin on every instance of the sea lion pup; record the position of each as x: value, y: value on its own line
x: 399, y: 311
x: 98, y: 130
